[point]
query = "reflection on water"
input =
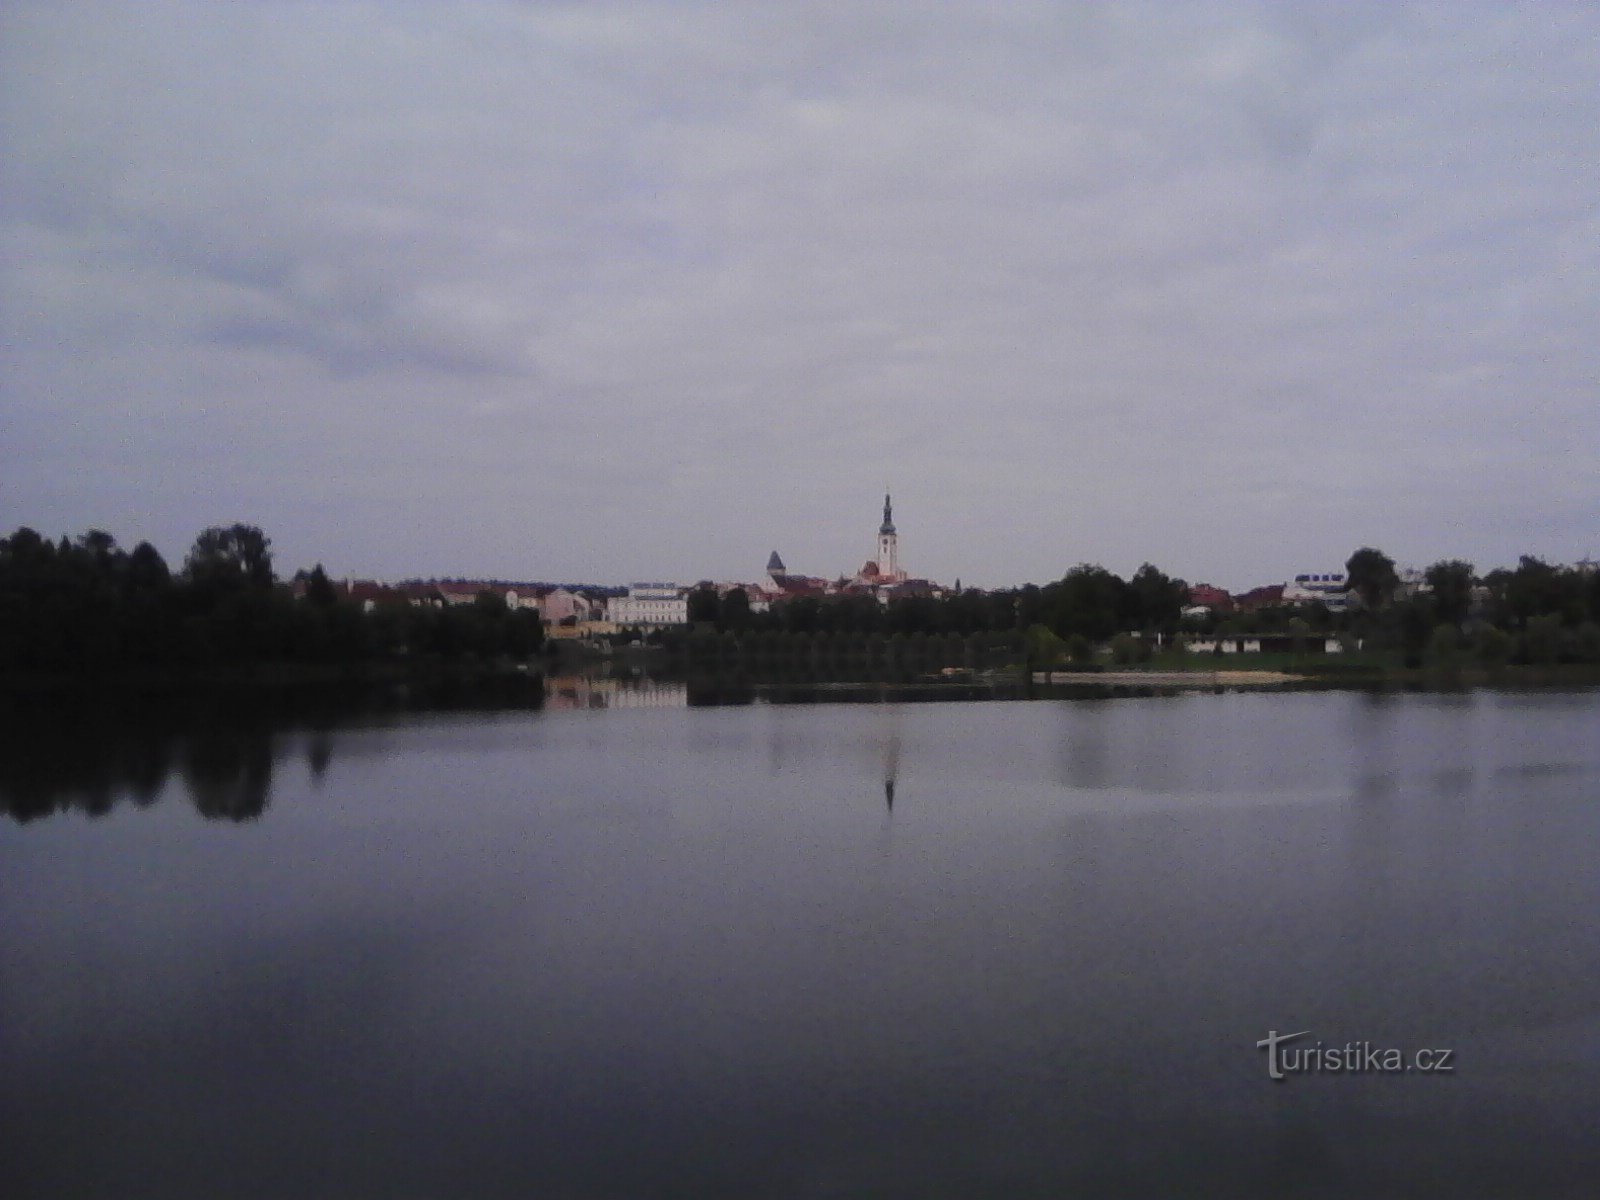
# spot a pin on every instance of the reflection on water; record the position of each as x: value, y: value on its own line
x: 781, y: 950
x: 567, y: 692
x: 91, y: 751
x: 893, y: 719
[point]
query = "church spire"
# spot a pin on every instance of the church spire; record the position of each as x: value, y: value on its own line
x: 888, y: 546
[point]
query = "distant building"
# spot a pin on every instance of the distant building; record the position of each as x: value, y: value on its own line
x: 1411, y: 581
x: 882, y: 577
x: 1330, y: 589
x: 560, y: 604
x: 1257, y: 643
x: 455, y: 594
x: 1269, y: 596
x: 888, y: 563
x: 649, y: 605
x: 1212, y: 599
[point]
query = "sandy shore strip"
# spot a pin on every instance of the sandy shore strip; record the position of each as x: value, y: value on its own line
x: 1171, y: 678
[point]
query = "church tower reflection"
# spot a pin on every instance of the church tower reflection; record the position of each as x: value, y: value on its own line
x: 891, y: 755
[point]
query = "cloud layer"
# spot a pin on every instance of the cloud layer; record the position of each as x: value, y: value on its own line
x: 605, y: 291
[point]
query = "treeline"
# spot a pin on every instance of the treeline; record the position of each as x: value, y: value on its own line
x: 1089, y: 601
x: 88, y: 605
x: 1535, y: 614
x: 841, y: 655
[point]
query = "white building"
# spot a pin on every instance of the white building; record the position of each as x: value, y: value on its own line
x: 1330, y: 589
x: 649, y: 605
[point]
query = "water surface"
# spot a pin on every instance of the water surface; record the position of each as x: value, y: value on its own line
x: 948, y: 949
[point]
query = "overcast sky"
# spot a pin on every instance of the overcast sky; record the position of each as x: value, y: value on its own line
x: 630, y: 291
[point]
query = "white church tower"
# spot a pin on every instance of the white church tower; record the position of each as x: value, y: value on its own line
x: 888, y: 546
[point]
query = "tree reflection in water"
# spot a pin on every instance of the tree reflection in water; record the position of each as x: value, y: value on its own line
x: 90, y: 752
x: 229, y: 772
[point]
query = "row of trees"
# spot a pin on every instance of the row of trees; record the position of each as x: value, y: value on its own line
x: 1535, y: 613
x: 1089, y: 600
x: 88, y: 604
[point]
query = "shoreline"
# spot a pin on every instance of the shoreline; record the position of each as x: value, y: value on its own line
x: 1245, y: 678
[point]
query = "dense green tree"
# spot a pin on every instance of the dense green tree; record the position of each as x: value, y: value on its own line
x: 1541, y: 640
x: 1491, y: 646
x: 703, y: 605
x: 1089, y: 600
x: 1536, y: 588
x: 1450, y: 583
x: 147, y: 570
x: 802, y: 614
x: 1586, y: 642
x: 319, y: 590
x: 1159, y: 599
x: 239, y: 555
x: 1299, y: 629
x: 1371, y: 575
x: 1444, y: 644
x: 1128, y: 649
x: 1029, y: 606
x: 734, y: 611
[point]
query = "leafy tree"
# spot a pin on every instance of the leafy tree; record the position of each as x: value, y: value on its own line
x: 1089, y: 600
x: 734, y: 612
x: 1541, y: 640
x: 1371, y: 575
x: 1414, y: 629
x: 1299, y: 630
x: 490, y: 603
x: 1159, y: 599
x: 801, y: 614
x: 1536, y: 588
x: 703, y: 605
x: 319, y: 590
x: 1492, y: 647
x: 99, y: 546
x: 1586, y: 643
x: 147, y: 570
x: 1450, y: 581
x: 1444, y: 644
x: 1127, y: 649
x: 240, y: 555
x: 25, y: 551
x: 1029, y: 606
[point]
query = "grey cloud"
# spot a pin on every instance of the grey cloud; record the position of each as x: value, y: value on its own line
x: 1230, y: 287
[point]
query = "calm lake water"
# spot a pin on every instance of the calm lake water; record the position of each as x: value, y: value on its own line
x: 614, y: 947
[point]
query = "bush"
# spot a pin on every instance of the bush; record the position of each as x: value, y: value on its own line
x: 1491, y: 646
x: 1541, y: 640
x: 1127, y: 649
x: 1586, y: 643
x: 1443, y: 645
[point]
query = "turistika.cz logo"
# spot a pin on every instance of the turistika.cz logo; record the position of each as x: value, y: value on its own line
x: 1349, y: 1058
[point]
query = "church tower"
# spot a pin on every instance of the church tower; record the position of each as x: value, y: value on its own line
x: 888, y: 547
